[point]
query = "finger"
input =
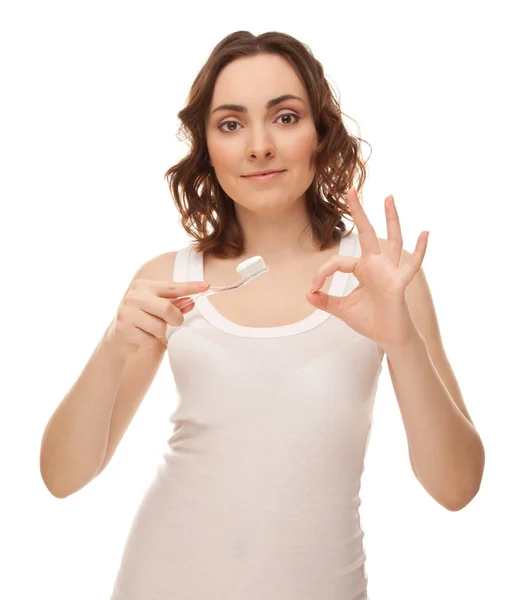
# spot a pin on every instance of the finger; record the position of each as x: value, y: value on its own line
x: 344, y: 264
x: 172, y: 289
x: 394, y: 235
x: 336, y: 305
x: 366, y: 234
x: 410, y: 269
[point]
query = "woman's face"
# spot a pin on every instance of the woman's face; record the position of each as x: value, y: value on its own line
x: 259, y: 138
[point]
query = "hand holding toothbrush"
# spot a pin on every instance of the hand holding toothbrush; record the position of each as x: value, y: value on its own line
x: 146, y: 310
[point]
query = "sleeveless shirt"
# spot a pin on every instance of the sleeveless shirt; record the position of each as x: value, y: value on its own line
x: 257, y: 495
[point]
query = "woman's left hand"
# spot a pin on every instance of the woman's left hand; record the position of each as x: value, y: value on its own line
x: 377, y: 307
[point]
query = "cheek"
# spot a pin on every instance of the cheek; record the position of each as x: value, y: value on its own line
x: 301, y: 148
x: 222, y: 155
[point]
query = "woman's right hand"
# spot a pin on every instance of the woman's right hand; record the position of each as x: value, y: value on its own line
x: 146, y: 310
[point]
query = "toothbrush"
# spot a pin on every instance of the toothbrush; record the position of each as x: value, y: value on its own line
x: 248, y: 269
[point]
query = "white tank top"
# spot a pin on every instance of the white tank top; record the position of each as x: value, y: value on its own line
x: 257, y: 496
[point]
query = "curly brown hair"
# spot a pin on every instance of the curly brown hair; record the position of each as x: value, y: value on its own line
x: 196, y: 192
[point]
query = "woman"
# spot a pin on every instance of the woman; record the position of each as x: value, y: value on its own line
x: 259, y: 491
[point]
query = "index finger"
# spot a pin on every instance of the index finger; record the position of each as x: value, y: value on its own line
x: 176, y: 289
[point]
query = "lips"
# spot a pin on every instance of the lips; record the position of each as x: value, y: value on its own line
x: 264, y: 173
x: 265, y: 179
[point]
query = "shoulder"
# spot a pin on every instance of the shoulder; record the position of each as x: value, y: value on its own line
x: 160, y: 267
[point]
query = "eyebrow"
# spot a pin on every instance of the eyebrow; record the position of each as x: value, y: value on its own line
x: 269, y: 104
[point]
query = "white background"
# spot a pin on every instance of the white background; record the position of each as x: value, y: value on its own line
x: 89, y: 103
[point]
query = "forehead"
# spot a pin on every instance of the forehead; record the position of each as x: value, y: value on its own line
x: 253, y: 80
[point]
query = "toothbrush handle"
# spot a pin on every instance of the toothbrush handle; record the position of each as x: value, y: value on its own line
x: 195, y: 297
x: 213, y: 290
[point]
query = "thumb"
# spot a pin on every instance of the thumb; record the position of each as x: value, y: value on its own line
x: 325, y: 302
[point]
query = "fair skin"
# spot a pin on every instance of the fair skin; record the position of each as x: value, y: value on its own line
x: 272, y: 215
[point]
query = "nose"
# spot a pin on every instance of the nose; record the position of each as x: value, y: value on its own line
x: 260, y: 144
x: 258, y: 154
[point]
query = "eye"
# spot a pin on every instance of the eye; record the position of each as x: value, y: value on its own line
x: 220, y: 126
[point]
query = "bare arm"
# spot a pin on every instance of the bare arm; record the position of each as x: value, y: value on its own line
x: 74, y: 441
x: 87, y: 426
